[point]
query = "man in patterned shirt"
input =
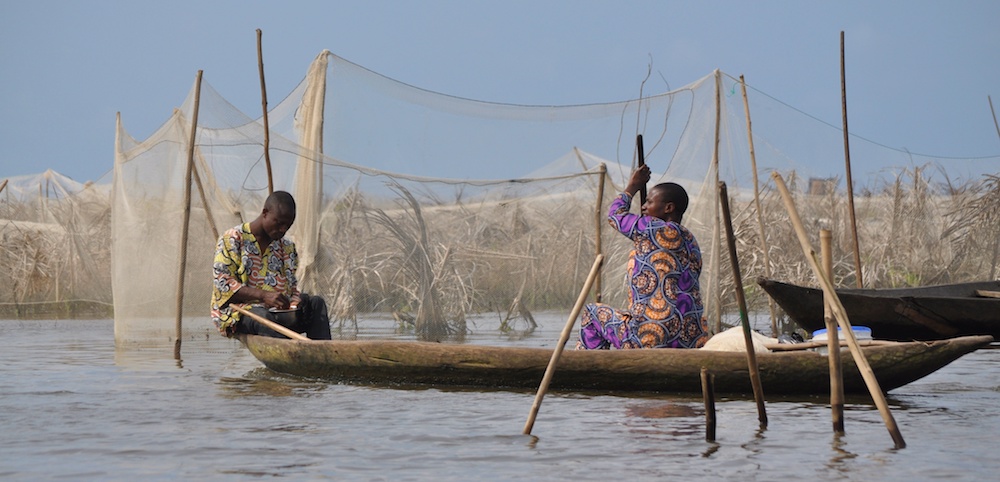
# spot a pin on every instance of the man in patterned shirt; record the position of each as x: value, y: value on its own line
x: 665, y: 308
x: 255, y: 266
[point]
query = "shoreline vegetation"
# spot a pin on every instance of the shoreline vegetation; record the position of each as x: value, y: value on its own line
x: 428, y: 266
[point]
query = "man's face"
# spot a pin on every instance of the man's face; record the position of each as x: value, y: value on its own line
x: 277, y: 222
x: 656, y: 205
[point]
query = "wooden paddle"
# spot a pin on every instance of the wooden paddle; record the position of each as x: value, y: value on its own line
x: 550, y: 370
x: 642, y: 162
x: 270, y: 324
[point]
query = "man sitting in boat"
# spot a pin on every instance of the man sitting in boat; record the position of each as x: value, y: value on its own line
x: 665, y: 308
x: 255, y: 265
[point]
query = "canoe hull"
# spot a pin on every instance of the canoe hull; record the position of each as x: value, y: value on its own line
x: 904, y: 314
x: 661, y: 370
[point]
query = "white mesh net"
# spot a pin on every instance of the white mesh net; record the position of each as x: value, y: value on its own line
x: 54, y: 235
x: 435, y: 210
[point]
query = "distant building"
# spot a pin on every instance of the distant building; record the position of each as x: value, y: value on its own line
x: 822, y: 186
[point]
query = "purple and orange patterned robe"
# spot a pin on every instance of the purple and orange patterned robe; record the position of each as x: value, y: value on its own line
x: 665, y: 308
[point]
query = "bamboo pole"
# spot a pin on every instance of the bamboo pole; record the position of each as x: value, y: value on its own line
x: 760, y: 215
x: 599, y: 222
x: 3, y: 185
x: 187, y: 218
x: 263, y: 101
x: 43, y: 207
x: 708, y: 394
x: 758, y: 391
x: 715, y: 268
x: 204, y: 202
x: 270, y: 324
x: 847, y: 160
x: 832, y: 340
x: 838, y: 311
x: 995, y: 124
x: 996, y: 241
x: 579, y: 158
x: 550, y: 369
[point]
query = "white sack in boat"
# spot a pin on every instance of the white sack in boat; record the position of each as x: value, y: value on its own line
x: 732, y: 340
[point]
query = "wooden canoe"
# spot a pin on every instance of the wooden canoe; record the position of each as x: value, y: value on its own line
x: 903, y: 314
x: 660, y: 370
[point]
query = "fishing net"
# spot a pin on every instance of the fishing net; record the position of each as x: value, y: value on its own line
x: 446, y: 214
x: 55, y: 240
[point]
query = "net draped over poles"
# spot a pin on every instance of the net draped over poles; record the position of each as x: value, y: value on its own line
x: 54, y: 246
x: 437, y: 210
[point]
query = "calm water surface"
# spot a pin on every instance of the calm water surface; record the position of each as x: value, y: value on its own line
x: 72, y: 406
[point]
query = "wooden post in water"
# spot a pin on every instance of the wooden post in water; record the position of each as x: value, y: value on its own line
x: 832, y: 340
x: 760, y: 214
x: 758, y: 391
x: 182, y: 267
x: 563, y: 337
x: 708, y: 394
x: 599, y: 221
x: 715, y: 284
x: 841, y: 314
x: 263, y: 101
x: 847, y: 160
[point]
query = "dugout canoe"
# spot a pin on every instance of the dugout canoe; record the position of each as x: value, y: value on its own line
x: 393, y: 362
x: 902, y: 314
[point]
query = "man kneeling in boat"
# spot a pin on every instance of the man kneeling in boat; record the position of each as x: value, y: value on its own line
x: 255, y: 265
x: 665, y: 308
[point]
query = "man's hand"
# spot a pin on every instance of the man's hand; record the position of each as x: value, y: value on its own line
x: 273, y: 299
x: 639, y: 179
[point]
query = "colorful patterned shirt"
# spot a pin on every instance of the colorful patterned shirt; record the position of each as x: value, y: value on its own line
x: 664, y: 267
x: 665, y: 308
x: 239, y: 262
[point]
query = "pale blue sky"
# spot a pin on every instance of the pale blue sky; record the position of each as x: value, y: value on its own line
x: 918, y: 72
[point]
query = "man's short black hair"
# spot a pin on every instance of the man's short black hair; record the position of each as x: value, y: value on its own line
x: 674, y: 193
x: 280, y: 202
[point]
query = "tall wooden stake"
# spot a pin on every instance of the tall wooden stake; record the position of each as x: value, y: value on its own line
x: 727, y: 221
x: 182, y: 268
x: 204, y: 202
x: 708, y: 394
x: 847, y: 160
x: 263, y: 100
x: 990, y: 99
x: 600, y: 223
x: 760, y: 214
x: 714, y: 263
x: 841, y: 314
x: 996, y: 240
x: 832, y: 340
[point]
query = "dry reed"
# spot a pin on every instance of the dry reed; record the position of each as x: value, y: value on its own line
x: 433, y: 263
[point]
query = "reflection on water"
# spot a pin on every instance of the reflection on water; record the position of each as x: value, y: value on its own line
x: 73, y: 406
x: 662, y: 410
x: 841, y: 457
